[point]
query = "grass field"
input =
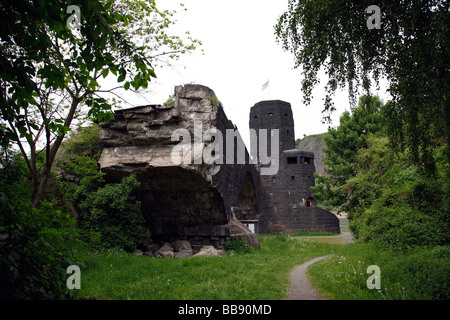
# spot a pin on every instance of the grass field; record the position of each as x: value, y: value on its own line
x: 421, y: 273
x: 259, y: 274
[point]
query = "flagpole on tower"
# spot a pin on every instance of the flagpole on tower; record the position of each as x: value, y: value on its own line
x: 265, y: 86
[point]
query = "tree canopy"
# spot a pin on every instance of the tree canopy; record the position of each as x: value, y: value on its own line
x: 410, y: 49
x: 49, y: 70
x: 342, y: 145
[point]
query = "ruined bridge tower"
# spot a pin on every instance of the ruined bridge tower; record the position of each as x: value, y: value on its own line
x: 191, y: 200
x: 286, y: 204
x: 210, y: 203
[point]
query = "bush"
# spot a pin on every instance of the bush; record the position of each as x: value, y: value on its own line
x: 84, y: 140
x: 40, y: 245
x: 393, y: 202
x: 36, y: 245
x: 237, y: 246
x: 111, y: 211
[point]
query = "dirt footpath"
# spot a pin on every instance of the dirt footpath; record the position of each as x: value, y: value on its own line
x: 300, y: 288
x: 344, y: 238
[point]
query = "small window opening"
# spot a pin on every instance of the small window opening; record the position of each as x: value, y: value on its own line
x: 270, y: 114
x: 292, y: 177
x: 291, y: 160
x: 251, y: 226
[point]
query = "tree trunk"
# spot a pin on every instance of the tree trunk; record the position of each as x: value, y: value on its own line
x: 39, y: 189
x: 40, y: 183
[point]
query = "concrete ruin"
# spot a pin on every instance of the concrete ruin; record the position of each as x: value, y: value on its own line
x: 204, y: 202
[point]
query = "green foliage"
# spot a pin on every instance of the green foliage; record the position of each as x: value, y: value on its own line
x: 170, y: 100
x: 82, y: 167
x: 36, y: 245
x: 86, y: 140
x: 115, y: 213
x: 110, y: 210
x: 410, y: 50
x: 237, y: 246
x: 214, y: 101
x: 389, y: 199
x: 81, y: 151
x: 393, y: 202
x: 342, y: 145
x: 419, y: 274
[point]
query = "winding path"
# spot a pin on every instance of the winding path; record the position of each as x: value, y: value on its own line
x: 344, y: 238
x: 301, y: 288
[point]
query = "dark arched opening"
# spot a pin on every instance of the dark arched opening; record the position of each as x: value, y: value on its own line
x: 247, y: 203
x: 309, y: 202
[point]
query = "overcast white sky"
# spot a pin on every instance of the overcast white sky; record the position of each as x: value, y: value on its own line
x: 240, y: 55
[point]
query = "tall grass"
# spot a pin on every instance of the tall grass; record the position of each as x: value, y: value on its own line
x: 421, y: 273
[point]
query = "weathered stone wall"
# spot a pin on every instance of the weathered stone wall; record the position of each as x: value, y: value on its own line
x: 191, y: 200
x: 274, y: 114
x: 238, y: 183
x: 306, y: 219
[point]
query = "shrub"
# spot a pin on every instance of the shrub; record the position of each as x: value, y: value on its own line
x: 36, y: 245
x: 84, y: 140
x: 113, y: 212
x: 393, y: 202
x: 109, y: 210
x: 237, y: 246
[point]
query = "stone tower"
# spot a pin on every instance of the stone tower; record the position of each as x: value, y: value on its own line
x: 287, y: 204
x: 274, y: 114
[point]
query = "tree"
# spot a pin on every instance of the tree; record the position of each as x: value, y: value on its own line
x: 390, y: 201
x: 37, y: 243
x: 49, y: 71
x: 109, y: 210
x: 342, y: 145
x: 410, y: 49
